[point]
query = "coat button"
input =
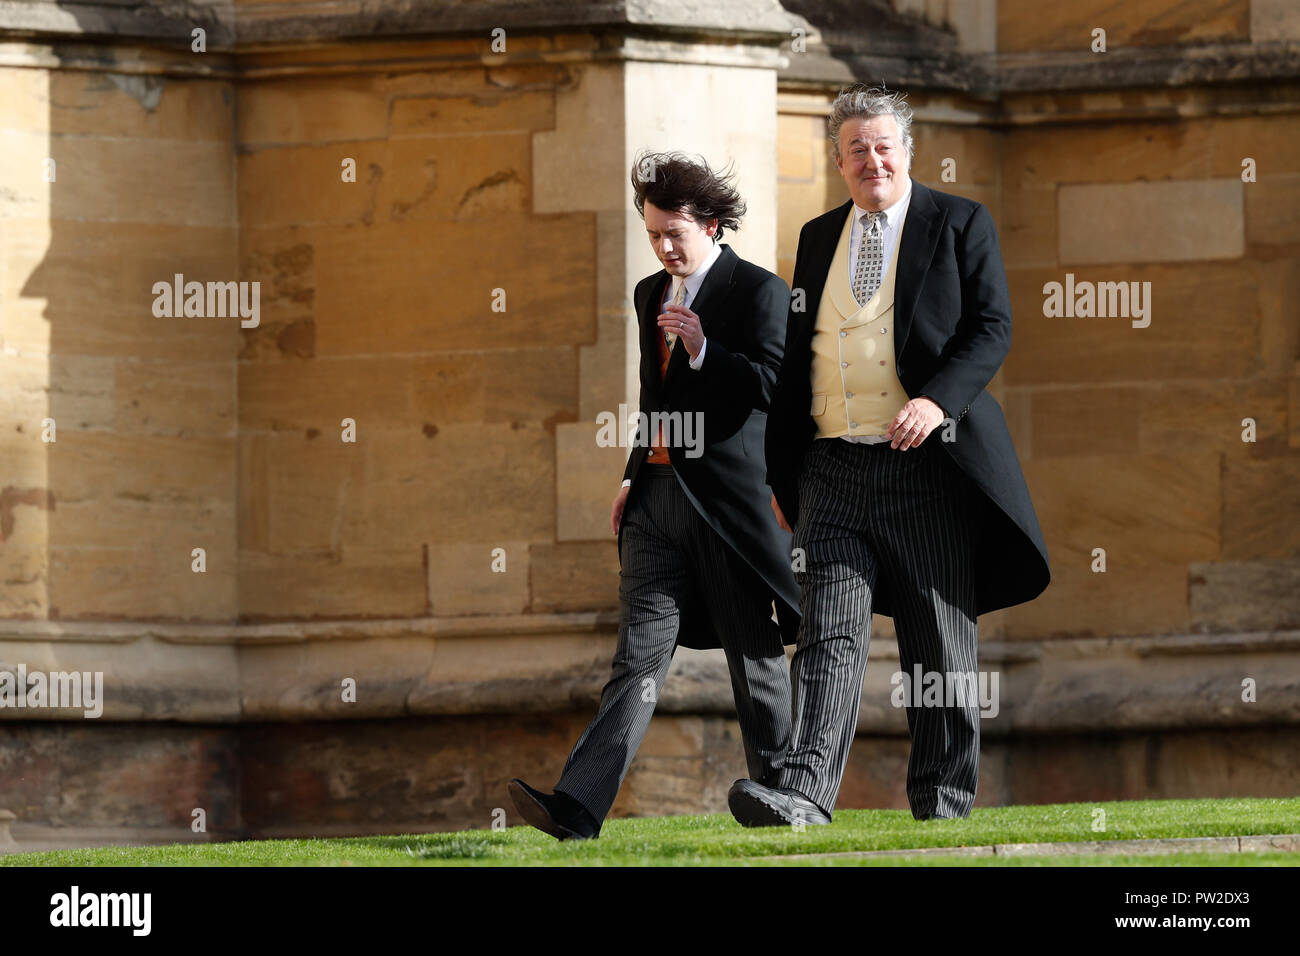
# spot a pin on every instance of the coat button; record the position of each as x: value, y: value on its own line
x: 844, y: 365
x: 843, y: 334
x: 848, y: 394
x: 883, y: 330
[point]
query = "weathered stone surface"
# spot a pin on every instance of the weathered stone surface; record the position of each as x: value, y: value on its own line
x: 1136, y: 595
x: 466, y: 482
x: 1273, y: 20
x: 1175, y: 417
x: 426, y: 179
x: 1186, y: 338
x: 973, y: 151
x: 1027, y: 226
x: 342, y: 109
x: 315, y: 396
x: 1025, y: 25
x: 587, y: 479
x: 1294, y: 405
x: 1245, y: 595
x: 434, y: 289
x: 572, y: 164
x: 355, y: 582
x: 1086, y: 421
x: 1273, y: 211
x: 1147, y: 151
x: 1139, y: 508
x: 1269, y: 140
x: 500, y: 386
x: 145, y: 583
x: 576, y: 576
x: 466, y: 115
x: 482, y: 578
x: 189, y: 399
x: 121, y: 179
x: 451, y: 773
x: 1260, y: 500
x: 1175, y: 221
x: 85, y: 288
x: 142, y: 467
x: 797, y: 152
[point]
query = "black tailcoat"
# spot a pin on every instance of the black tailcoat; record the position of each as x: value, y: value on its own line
x: 952, y: 330
x: 742, y: 310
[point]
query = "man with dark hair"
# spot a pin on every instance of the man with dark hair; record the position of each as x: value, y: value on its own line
x: 907, y: 317
x: 702, y: 554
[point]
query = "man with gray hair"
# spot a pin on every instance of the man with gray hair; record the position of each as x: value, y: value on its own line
x: 905, y: 318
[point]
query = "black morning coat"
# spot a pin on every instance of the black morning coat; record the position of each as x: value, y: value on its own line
x: 952, y: 330
x: 742, y: 310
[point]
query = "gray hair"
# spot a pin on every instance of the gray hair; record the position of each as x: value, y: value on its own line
x: 862, y: 101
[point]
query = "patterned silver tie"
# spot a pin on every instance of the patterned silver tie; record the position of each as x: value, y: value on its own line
x: 871, y: 257
x: 678, y: 299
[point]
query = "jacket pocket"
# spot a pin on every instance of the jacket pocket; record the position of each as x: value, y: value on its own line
x: 818, y: 404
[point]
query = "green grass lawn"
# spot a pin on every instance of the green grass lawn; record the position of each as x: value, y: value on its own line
x: 716, y: 839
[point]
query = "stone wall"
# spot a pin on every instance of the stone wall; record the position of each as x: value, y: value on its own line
x: 486, y: 177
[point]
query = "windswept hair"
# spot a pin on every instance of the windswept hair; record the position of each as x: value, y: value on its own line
x: 677, y: 183
x: 862, y: 101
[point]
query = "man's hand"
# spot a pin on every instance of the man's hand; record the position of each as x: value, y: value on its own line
x: 616, y: 513
x: 914, y: 422
x: 780, y: 517
x: 685, y: 324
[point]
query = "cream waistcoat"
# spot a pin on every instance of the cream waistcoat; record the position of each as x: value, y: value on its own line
x: 855, y: 387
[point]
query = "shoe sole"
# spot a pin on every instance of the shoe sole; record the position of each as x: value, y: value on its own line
x: 535, y: 814
x: 751, y: 810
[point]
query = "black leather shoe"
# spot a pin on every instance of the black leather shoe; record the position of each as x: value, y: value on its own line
x: 754, y: 805
x: 555, y: 813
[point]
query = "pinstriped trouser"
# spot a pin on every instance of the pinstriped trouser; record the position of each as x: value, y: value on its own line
x: 671, y: 557
x: 869, y: 512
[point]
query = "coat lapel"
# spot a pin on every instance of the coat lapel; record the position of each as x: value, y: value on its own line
x: 921, y: 229
x: 821, y: 253
x: 650, y: 332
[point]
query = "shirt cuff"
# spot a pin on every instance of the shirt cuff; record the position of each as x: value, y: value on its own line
x: 696, y: 362
x: 627, y: 482
x: 941, y: 408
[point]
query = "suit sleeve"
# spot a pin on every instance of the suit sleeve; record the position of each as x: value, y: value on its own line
x: 749, y: 378
x: 983, y: 336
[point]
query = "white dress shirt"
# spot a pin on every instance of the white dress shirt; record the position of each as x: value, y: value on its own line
x: 894, y: 216
x: 693, y: 283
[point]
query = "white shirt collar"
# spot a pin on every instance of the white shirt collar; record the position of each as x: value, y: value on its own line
x: 696, y: 278
x: 892, y: 213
